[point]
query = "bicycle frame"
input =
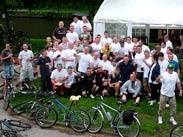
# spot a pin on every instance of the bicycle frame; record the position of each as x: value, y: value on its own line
x: 102, y: 107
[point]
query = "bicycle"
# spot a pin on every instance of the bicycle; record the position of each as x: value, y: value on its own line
x: 29, y: 108
x: 125, y: 123
x: 13, y: 127
x: 47, y: 116
x: 177, y: 131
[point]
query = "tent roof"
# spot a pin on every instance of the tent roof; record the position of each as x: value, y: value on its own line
x: 141, y: 12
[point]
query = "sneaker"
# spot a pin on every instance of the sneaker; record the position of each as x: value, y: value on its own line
x: 172, y: 120
x: 21, y: 88
x: 92, y: 96
x: 167, y: 105
x: 152, y: 102
x: 160, y: 120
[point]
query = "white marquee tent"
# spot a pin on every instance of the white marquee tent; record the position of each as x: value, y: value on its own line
x: 128, y: 13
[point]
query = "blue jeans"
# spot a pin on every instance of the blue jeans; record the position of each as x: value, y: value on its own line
x: 8, y: 71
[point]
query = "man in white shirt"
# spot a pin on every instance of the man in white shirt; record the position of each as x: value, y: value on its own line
x: 96, y: 46
x: 121, y: 50
x: 105, y: 63
x: 77, y: 25
x: 85, y: 22
x: 106, y: 39
x: 162, y: 62
x: 95, y: 60
x: 169, y: 80
x: 69, y: 56
x: 58, y: 78
x: 139, y: 56
x: 115, y: 45
x: 57, y: 56
x: 64, y: 43
x: 170, y: 51
x: 168, y: 42
x: 26, y: 70
x: 84, y: 60
x: 163, y: 47
x: 72, y: 36
x: 144, y: 47
x: 147, y: 62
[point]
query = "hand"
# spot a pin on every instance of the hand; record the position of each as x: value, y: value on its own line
x: 10, y: 55
x: 134, y: 96
x: 39, y: 75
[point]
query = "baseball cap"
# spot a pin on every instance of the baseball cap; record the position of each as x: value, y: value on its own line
x: 170, y: 66
x: 59, y: 64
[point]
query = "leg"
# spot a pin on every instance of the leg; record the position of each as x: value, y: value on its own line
x: 173, y: 105
x: 116, y: 88
x: 43, y: 84
x: 163, y: 100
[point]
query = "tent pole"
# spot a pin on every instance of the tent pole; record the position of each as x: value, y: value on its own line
x: 147, y: 33
x: 129, y: 29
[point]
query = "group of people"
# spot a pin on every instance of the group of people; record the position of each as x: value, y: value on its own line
x: 125, y: 68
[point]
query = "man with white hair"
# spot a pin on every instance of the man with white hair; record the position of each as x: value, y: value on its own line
x: 85, y: 22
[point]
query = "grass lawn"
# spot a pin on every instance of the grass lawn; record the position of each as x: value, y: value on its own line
x: 146, y: 114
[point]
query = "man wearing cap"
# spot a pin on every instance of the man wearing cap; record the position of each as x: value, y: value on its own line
x: 58, y: 77
x: 168, y: 79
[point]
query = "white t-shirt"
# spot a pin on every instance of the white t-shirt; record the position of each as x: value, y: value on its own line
x: 146, y: 68
x: 105, y: 65
x: 169, y: 44
x: 106, y: 40
x: 71, y: 78
x: 122, y: 51
x: 144, y: 48
x: 139, y: 60
x: 96, y: 47
x: 69, y: 54
x: 169, y: 83
x: 59, y: 59
x: 77, y: 26
x: 88, y: 25
x: 64, y: 46
x: 164, y: 50
x: 24, y: 55
x: 72, y: 36
x: 84, y: 61
x: 50, y: 54
x: 115, y: 47
x: 129, y: 46
x: 95, y: 62
x: 174, y: 57
x: 58, y: 74
x: 163, y: 65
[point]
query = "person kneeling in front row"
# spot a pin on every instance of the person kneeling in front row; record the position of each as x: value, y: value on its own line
x: 131, y: 89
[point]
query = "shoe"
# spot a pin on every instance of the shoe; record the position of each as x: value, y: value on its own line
x: 21, y: 88
x: 167, y: 105
x: 160, y: 120
x: 152, y: 102
x: 136, y: 103
x: 92, y: 96
x: 172, y: 120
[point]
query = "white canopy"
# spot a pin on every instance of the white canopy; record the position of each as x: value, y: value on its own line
x: 160, y: 12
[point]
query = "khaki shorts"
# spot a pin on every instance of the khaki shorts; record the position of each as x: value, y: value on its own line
x: 145, y: 82
x: 26, y: 73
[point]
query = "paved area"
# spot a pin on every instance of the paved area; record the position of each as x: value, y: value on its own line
x: 35, y: 131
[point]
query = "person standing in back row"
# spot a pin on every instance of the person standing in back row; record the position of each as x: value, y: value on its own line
x: 59, y: 32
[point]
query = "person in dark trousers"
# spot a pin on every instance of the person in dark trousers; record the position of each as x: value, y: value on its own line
x: 43, y: 69
x: 153, y: 75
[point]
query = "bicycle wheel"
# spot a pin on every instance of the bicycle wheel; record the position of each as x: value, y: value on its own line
x: 177, y: 131
x: 97, y: 120
x: 131, y: 130
x: 8, y: 133
x: 79, y: 120
x: 6, y: 97
x: 19, y: 108
x: 18, y: 125
x: 46, y: 117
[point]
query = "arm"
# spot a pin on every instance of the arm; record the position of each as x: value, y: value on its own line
x: 180, y: 88
x: 38, y: 70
